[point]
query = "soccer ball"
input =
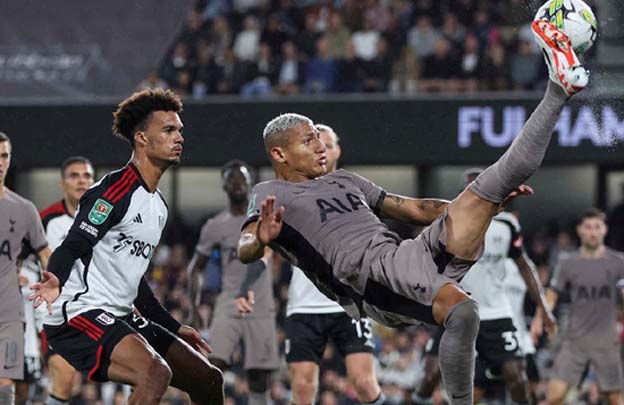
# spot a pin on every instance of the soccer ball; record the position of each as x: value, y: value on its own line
x: 573, y: 17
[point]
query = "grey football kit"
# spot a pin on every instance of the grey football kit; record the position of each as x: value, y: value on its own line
x: 257, y: 329
x: 332, y: 233
x: 591, y: 336
x: 20, y: 225
x: 101, y: 265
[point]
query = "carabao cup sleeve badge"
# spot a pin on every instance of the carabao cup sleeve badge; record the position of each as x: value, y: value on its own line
x: 99, y: 212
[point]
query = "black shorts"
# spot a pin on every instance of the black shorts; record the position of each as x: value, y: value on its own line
x: 87, y: 340
x: 308, y: 334
x: 497, y: 342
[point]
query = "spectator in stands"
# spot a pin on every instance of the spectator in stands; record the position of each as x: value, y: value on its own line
x: 291, y: 70
x: 441, y: 70
x: 247, y: 41
x: 220, y: 37
x: 422, y: 37
x: 377, y: 70
x: 405, y: 73
x: 306, y: 39
x: 322, y: 70
x: 365, y: 40
x: 484, y: 30
x: 470, y: 64
x: 178, y: 61
x: 453, y: 31
x: 350, y: 71
x: 274, y: 34
x: 183, y: 83
x: 525, y: 67
x: 353, y: 13
x: 262, y: 72
x: 337, y: 36
x: 378, y: 14
x: 195, y: 29
x: 208, y: 73
x: 233, y: 74
x: 495, y: 71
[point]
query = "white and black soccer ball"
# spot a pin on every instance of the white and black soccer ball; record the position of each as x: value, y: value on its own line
x: 575, y: 18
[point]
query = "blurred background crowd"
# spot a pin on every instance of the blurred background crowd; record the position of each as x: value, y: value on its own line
x: 258, y: 48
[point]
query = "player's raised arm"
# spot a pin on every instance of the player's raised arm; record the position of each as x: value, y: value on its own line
x: 412, y: 210
x: 258, y: 234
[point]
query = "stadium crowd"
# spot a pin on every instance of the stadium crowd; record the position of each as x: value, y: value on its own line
x: 399, y: 352
x: 261, y: 47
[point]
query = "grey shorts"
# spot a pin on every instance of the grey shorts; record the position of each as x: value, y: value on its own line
x: 572, y: 360
x: 404, y: 281
x: 12, y: 350
x: 257, y: 334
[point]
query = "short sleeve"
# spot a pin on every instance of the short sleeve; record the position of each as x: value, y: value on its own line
x: 207, y: 238
x: 36, y: 235
x: 258, y: 194
x: 374, y: 194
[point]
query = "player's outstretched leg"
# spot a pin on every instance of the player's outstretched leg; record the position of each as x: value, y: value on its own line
x: 470, y: 213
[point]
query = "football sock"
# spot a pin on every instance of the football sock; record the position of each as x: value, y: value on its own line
x: 457, y: 351
x: 526, y: 152
x: 7, y: 394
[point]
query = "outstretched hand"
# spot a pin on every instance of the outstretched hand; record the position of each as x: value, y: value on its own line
x: 244, y: 305
x: 269, y: 224
x: 47, y: 290
x: 194, y: 339
x: 523, y: 189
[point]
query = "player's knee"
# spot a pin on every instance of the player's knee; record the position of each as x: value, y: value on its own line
x: 159, y: 374
x: 258, y: 380
x: 464, y: 316
x: 208, y: 387
x: 365, y: 386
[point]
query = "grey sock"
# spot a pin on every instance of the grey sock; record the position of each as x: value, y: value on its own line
x: 7, y: 394
x: 526, y: 152
x: 258, y: 398
x: 457, y: 351
x: 52, y: 400
x: 379, y: 401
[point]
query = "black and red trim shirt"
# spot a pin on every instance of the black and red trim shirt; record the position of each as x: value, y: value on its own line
x: 117, y: 227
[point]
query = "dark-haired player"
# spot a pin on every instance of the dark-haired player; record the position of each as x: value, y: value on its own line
x: 19, y: 223
x: 240, y: 283
x: 76, y: 177
x: 328, y: 226
x: 118, y: 225
x: 589, y: 277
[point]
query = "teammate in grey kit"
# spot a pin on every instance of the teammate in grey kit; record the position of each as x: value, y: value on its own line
x: 313, y: 319
x: 589, y: 277
x: 240, y: 283
x: 92, y: 321
x: 19, y: 223
x: 328, y: 226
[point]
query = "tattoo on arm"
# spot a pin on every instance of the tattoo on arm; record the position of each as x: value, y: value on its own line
x: 435, y: 204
